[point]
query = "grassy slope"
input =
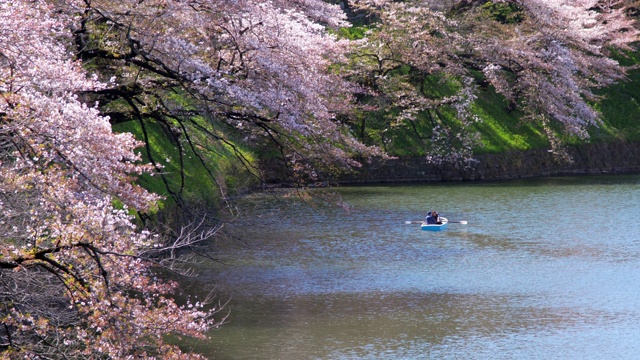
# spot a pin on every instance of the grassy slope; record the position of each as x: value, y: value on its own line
x: 503, y: 131
x: 202, y: 185
x: 620, y: 107
x: 500, y: 131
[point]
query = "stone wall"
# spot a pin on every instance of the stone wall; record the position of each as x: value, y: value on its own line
x: 611, y: 158
x: 614, y: 158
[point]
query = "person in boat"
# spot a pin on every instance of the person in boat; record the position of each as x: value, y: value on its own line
x: 433, y: 218
x: 428, y: 219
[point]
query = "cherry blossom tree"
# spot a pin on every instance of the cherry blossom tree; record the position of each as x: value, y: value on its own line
x: 545, y: 57
x: 549, y: 62
x: 260, y: 68
x: 410, y: 47
x: 76, y: 274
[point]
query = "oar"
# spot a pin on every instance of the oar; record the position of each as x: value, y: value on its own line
x: 463, y: 222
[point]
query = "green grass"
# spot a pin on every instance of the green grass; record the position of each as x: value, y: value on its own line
x: 502, y: 130
x: 222, y: 171
x: 620, y: 110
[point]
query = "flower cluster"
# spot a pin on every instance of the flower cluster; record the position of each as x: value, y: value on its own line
x: 73, y: 281
x: 546, y: 61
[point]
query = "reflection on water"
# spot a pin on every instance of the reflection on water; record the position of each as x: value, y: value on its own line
x: 403, y: 325
x: 544, y: 268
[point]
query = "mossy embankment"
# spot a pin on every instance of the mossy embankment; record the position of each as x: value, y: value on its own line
x: 201, y: 170
x: 199, y: 165
x: 512, y: 147
x: 505, y: 130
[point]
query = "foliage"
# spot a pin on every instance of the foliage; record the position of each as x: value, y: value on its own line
x: 544, y: 57
x: 409, y: 63
x: 76, y: 275
x: 506, y: 13
x: 259, y: 69
x: 199, y: 81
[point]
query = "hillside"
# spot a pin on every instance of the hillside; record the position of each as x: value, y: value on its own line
x: 205, y: 179
x: 502, y: 130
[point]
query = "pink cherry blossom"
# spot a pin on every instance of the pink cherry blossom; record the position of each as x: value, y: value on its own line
x: 74, y: 275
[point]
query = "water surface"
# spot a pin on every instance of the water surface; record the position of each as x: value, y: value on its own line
x: 544, y: 269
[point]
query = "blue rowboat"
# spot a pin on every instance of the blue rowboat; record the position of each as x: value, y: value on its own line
x: 436, y: 227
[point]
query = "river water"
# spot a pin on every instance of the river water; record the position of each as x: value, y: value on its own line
x: 544, y: 269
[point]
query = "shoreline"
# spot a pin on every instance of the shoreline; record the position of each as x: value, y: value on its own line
x: 588, y: 159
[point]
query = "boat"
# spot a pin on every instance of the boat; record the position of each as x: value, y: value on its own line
x: 436, y: 227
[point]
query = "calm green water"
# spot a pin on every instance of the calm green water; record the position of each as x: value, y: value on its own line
x: 544, y: 269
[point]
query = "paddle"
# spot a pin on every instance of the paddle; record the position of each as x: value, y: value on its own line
x: 463, y: 222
